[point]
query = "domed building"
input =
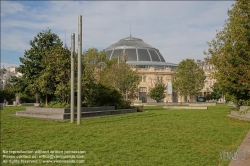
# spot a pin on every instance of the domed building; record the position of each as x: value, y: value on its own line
x: 150, y: 63
x: 140, y: 54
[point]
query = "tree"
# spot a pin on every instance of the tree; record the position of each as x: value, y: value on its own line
x: 158, y: 91
x: 34, y: 63
x: 98, y: 88
x: 188, y: 78
x: 230, y: 52
x: 7, y: 93
x: 123, y: 77
x: 55, y: 79
x: 217, y: 92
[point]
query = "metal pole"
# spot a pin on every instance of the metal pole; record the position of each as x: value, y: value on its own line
x: 79, y: 89
x: 72, y: 114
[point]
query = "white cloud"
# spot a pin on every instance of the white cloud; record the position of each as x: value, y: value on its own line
x: 178, y: 29
x: 10, y: 8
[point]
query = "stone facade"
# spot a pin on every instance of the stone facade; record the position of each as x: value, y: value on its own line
x: 149, y: 76
x: 209, y: 73
x: 209, y: 70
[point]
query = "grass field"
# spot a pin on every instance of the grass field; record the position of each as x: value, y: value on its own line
x: 154, y: 137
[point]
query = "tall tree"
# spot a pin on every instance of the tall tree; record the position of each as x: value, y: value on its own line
x: 158, y: 91
x: 188, y: 79
x: 55, y: 79
x: 33, y: 63
x: 230, y: 52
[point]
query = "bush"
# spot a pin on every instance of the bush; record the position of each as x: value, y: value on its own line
x: 102, y: 95
x: 139, y: 108
x: 56, y: 104
x: 123, y: 105
x: 5, y: 94
x: 25, y: 98
x: 243, y: 103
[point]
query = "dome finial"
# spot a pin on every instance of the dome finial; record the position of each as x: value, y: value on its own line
x: 130, y: 30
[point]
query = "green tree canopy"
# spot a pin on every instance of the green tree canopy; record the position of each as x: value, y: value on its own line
x: 122, y: 76
x: 7, y: 93
x: 99, y: 80
x: 188, y: 79
x: 229, y: 51
x: 217, y: 91
x: 55, y: 79
x: 45, y: 66
x: 158, y: 91
x: 33, y: 63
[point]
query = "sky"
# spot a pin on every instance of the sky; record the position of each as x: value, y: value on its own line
x: 179, y: 29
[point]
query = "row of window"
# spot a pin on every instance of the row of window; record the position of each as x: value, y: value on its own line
x: 143, y: 78
x: 157, y: 66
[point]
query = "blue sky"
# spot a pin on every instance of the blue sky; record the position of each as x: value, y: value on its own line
x: 179, y: 29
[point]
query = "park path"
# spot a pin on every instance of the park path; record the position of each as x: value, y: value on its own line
x: 243, y: 153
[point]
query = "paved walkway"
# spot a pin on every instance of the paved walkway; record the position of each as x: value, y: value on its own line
x: 243, y: 153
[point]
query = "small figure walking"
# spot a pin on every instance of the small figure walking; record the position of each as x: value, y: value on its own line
x: 4, y: 102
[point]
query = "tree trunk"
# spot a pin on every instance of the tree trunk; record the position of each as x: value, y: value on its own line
x: 46, y: 100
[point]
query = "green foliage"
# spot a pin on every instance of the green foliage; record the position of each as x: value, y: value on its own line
x: 106, y: 83
x: 45, y: 68
x: 46, y: 72
x: 121, y: 76
x: 230, y: 52
x: 216, y: 92
x: 244, y: 102
x: 102, y: 95
x: 27, y: 98
x: 188, y: 79
x: 139, y: 108
x: 5, y: 94
x: 55, y: 79
x: 158, y: 92
x: 34, y: 61
x: 56, y: 104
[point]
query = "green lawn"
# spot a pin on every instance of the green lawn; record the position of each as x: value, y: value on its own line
x: 154, y: 137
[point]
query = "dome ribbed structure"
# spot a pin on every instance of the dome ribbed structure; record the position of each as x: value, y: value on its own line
x: 139, y: 53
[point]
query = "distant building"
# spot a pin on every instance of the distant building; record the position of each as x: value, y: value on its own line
x: 150, y: 64
x: 209, y: 70
x: 6, y: 75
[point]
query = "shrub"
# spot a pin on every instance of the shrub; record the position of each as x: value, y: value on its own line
x: 56, y: 104
x: 102, y: 95
x: 139, y: 108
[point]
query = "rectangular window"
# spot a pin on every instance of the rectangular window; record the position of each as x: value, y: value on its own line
x: 142, y: 89
x: 159, y: 78
x: 143, y: 78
